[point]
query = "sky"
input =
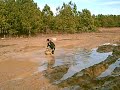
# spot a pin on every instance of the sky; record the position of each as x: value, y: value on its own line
x: 96, y: 7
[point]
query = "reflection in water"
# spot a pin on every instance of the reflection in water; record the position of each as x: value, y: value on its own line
x: 47, y: 64
x: 51, y: 62
x: 51, y: 71
x: 84, y: 60
x: 85, y: 78
x: 79, y: 69
x: 110, y: 69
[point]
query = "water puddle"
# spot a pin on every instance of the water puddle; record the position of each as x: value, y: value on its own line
x: 110, y: 69
x: 76, y: 68
x: 77, y: 61
x: 83, y: 60
x: 42, y: 67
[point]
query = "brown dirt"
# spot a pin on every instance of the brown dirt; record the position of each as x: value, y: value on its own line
x: 20, y: 57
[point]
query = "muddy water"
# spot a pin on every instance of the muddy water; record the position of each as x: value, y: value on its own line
x: 68, y: 69
x: 75, y: 69
x: 110, y: 69
x: 77, y: 60
x: 83, y: 59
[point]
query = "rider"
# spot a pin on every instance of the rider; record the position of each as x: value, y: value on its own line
x: 51, y: 45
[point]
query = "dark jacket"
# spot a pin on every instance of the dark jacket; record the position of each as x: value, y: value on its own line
x: 51, y: 45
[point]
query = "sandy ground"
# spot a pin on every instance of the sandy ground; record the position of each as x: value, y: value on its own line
x: 21, y: 57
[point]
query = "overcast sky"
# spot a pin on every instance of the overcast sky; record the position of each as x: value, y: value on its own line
x: 95, y: 6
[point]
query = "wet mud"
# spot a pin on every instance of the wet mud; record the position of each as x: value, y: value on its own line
x: 102, y: 75
x: 71, y: 69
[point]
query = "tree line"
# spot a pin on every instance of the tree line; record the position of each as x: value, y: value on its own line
x: 24, y: 17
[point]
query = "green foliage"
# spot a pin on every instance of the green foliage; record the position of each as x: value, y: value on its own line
x: 48, y: 19
x: 108, y: 20
x: 12, y: 32
x: 65, y: 20
x: 86, y: 21
x: 23, y: 17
